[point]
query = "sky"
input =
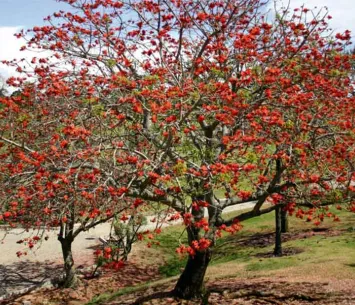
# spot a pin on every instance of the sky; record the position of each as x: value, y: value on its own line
x: 17, y: 14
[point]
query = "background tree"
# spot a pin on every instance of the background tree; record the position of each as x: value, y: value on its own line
x: 3, y: 89
x: 55, y: 163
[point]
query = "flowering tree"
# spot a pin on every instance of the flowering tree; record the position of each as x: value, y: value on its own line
x: 52, y: 157
x: 198, y: 104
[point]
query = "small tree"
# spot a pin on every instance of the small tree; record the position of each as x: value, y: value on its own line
x: 3, y: 89
x: 126, y: 234
x: 55, y: 165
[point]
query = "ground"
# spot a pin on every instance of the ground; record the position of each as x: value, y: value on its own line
x: 252, y: 291
x: 43, y: 261
x: 318, y: 268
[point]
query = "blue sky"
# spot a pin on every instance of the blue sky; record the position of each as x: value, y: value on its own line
x: 26, y: 13
x: 17, y: 14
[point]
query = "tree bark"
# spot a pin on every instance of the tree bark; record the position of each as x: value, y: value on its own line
x: 284, y: 221
x: 70, y: 279
x: 190, y: 283
x: 278, y: 241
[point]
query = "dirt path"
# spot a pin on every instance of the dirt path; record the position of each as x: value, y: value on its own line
x: 39, y: 265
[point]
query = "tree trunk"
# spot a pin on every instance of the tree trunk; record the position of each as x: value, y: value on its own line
x: 278, y: 241
x: 70, y: 279
x: 284, y: 221
x: 190, y: 283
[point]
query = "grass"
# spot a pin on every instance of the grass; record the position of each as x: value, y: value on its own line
x: 228, y: 249
x: 169, y: 240
x: 318, y: 251
x: 271, y: 264
x: 326, y: 256
x: 106, y: 297
x: 173, y: 267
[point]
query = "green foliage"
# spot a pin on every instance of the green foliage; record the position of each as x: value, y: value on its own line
x: 23, y: 117
x: 334, y: 195
x: 252, y: 157
x: 111, y: 63
x: 88, y: 101
x: 289, y: 124
x: 98, y: 109
x: 217, y: 72
x: 180, y: 168
x: 195, y: 95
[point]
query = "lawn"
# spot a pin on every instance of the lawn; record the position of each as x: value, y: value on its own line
x: 250, y: 248
x: 318, y: 268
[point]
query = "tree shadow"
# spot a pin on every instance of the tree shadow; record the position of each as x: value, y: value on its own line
x: 154, y: 296
x: 25, y: 274
x: 285, y: 252
x: 242, y: 291
x: 265, y: 239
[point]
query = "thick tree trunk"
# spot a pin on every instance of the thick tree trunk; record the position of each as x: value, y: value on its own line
x: 190, y: 283
x: 278, y: 241
x: 70, y: 279
x: 284, y: 221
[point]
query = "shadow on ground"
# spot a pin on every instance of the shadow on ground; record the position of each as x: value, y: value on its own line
x: 261, y: 240
x: 25, y: 274
x: 241, y: 292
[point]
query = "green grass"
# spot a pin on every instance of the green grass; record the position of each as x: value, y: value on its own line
x: 227, y: 248
x: 173, y: 266
x: 273, y: 263
x: 333, y: 255
x: 169, y: 240
x: 106, y: 297
x: 225, y: 251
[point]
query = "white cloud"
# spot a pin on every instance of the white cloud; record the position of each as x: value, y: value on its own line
x: 10, y: 48
x: 342, y: 12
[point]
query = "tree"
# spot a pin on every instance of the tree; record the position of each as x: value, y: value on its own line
x: 57, y: 149
x: 284, y: 221
x: 281, y: 226
x: 207, y: 97
x: 3, y: 89
x: 51, y: 162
